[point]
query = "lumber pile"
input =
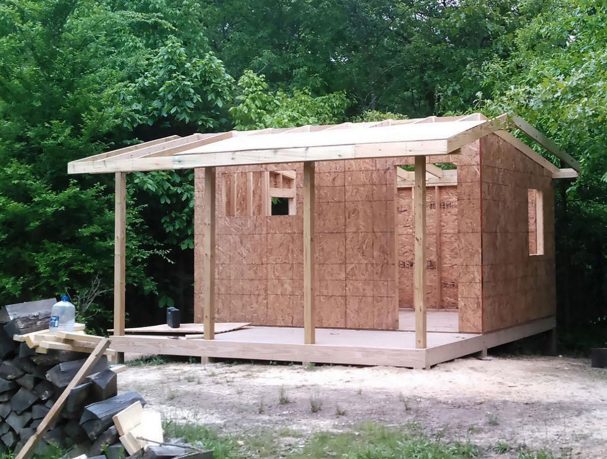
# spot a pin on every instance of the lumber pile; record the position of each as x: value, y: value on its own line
x: 58, y: 389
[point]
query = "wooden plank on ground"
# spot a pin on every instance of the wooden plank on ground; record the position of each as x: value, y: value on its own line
x: 54, y: 412
x: 128, y: 418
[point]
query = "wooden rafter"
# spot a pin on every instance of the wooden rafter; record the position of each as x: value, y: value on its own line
x: 545, y: 142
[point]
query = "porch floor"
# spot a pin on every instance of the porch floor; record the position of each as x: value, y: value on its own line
x: 356, y: 347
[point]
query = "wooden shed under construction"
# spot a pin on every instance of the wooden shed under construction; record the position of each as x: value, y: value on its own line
x: 400, y: 242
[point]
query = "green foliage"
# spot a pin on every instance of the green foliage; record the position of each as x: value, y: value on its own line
x: 180, y: 89
x: 556, y: 78
x: 257, y: 107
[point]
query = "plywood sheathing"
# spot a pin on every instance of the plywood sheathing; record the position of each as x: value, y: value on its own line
x: 460, y: 242
x: 517, y: 287
x: 260, y: 258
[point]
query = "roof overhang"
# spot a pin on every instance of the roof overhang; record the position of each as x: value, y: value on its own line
x: 415, y: 137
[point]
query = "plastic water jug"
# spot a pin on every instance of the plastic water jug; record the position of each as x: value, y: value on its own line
x: 63, y: 315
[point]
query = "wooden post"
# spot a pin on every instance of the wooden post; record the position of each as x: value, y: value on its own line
x: 120, y: 258
x: 208, y: 260
x: 308, y: 246
x: 419, y: 279
x: 439, y: 251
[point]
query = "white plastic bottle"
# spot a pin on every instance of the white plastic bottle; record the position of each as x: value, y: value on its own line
x: 63, y: 315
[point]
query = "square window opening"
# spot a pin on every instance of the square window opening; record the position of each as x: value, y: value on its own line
x: 280, y: 206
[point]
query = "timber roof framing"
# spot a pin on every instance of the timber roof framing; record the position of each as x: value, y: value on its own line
x: 412, y: 137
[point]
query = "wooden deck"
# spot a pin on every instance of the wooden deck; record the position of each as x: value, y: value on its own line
x: 436, y: 320
x: 340, y: 346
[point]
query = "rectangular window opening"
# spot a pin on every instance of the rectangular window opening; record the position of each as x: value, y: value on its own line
x: 535, y: 217
x: 282, y: 192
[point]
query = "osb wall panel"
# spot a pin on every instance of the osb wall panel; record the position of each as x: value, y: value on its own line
x: 442, y: 247
x: 259, y: 271
x: 460, y: 242
x: 517, y: 287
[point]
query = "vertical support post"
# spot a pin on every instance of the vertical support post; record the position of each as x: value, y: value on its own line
x: 439, y: 251
x: 308, y: 247
x: 199, y: 190
x: 120, y: 257
x: 419, y: 279
x: 208, y: 259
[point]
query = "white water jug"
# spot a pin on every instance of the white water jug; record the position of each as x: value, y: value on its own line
x: 63, y: 316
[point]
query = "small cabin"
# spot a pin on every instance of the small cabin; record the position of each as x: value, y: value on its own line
x: 400, y: 242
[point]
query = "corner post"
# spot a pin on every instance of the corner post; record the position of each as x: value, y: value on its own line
x: 120, y: 257
x: 208, y: 259
x: 308, y: 249
x: 419, y: 279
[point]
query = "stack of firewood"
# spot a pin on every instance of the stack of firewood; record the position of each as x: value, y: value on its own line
x: 36, y: 366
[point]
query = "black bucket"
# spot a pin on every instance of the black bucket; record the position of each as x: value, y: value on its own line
x: 598, y: 357
x: 173, y: 317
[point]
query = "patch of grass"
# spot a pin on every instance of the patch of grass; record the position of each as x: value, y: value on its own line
x: 283, y: 397
x: 375, y: 441
x: 203, y: 437
x: 502, y: 447
x: 149, y: 360
x: 315, y: 403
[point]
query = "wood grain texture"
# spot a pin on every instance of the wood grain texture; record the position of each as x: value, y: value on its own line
x: 309, y: 206
x: 419, y: 279
x: 209, y: 253
x: 120, y: 253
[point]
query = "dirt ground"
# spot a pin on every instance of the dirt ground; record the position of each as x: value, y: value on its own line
x: 551, y: 403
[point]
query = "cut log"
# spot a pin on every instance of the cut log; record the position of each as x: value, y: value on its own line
x: 61, y: 374
x: 18, y: 421
x: 26, y: 432
x: 24, y: 310
x: 44, y: 390
x: 104, y: 384
x: 6, y: 396
x: 115, y: 451
x: 22, y: 400
x: 79, y: 397
x: 25, y: 350
x: 39, y: 411
x: 54, y: 357
x: 5, y: 410
x: 76, y: 433
x: 27, y: 365
x: 4, y: 427
x: 103, y: 441
x: 27, y: 381
x: 55, y: 436
x: 6, y: 385
x: 9, y: 371
x: 9, y: 439
x: 208, y: 454
x: 97, y: 417
x: 8, y: 347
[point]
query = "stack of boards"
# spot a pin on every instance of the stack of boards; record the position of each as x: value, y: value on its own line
x: 91, y: 419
